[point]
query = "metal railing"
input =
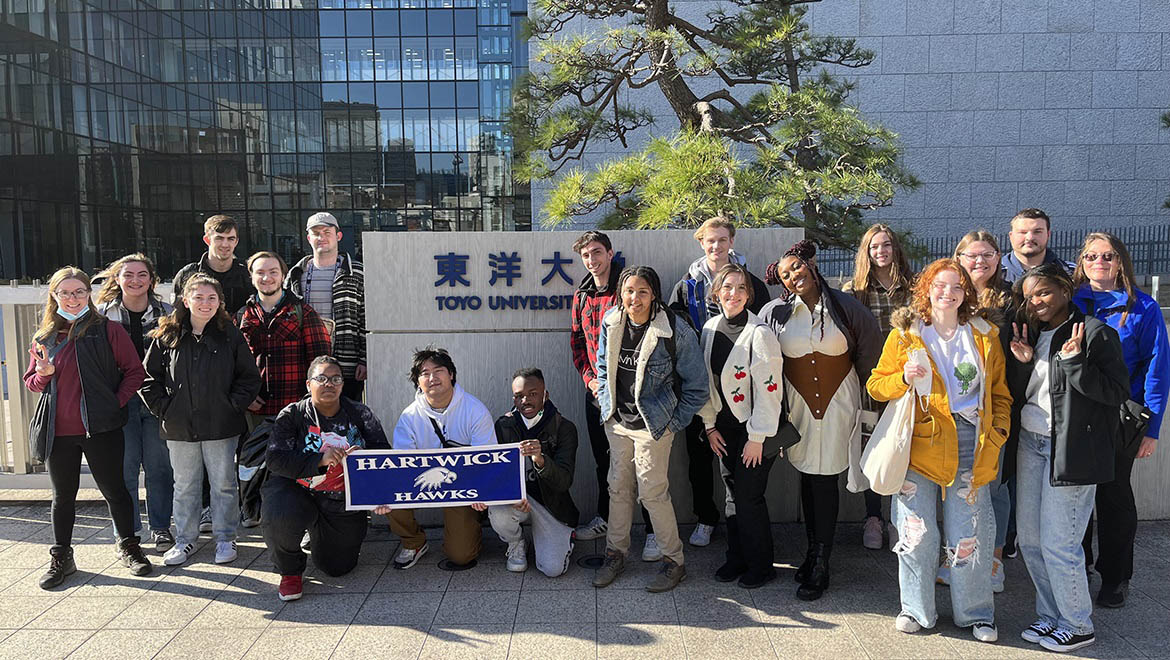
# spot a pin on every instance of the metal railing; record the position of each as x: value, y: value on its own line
x: 1149, y: 247
x: 20, y: 323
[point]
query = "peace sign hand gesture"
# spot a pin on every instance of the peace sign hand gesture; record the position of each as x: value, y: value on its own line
x: 1073, y: 345
x: 1019, y: 345
x: 40, y: 356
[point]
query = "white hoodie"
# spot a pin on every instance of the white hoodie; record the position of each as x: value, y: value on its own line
x: 465, y: 422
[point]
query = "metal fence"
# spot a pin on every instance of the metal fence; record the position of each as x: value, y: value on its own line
x: 1149, y: 246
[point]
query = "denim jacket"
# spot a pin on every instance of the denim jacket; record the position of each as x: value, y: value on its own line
x: 662, y: 411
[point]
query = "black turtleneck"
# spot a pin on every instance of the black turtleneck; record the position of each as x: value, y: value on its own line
x: 726, y: 332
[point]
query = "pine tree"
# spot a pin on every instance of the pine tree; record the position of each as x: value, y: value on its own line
x: 770, y: 139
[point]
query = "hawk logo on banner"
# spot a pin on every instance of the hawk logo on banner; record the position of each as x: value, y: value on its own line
x: 422, y: 478
x: 434, y: 478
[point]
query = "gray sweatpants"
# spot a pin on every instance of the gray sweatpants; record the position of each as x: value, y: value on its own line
x: 552, y: 539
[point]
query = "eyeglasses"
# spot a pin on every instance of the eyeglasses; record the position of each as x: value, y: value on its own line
x: 322, y: 379
x: 1108, y: 257
x: 74, y: 295
x: 976, y: 256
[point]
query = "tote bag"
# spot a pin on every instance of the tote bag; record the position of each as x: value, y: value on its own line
x: 887, y: 456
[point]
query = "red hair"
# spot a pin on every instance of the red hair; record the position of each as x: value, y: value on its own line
x: 920, y: 302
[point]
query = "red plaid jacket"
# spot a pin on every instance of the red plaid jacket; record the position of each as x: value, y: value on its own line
x: 284, y: 347
x: 589, y: 306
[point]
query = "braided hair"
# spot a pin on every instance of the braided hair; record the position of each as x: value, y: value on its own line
x: 806, y: 251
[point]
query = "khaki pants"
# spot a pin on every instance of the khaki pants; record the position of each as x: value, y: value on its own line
x: 462, y: 532
x: 637, y: 460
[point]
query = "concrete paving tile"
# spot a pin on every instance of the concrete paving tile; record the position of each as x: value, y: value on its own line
x: 118, y: 581
x: 392, y: 642
x: 477, y: 607
x: 198, y: 579
x: 630, y: 606
x: 209, y: 644
x: 420, y: 577
x: 487, y: 577
x: 26, y: 555
x: 20, y: 530
x: 16, y: 611
x: 296, y: 643
x: 253, y: 580
x: 29, y: 583
x: 399, y: 608
x: 575, y: 578
x: 94, y: 557
x: 727, y: 640
x: 124, y: 644
x: 42, y: 644
x: 234, y: 610
x: 714, y: 601
x: 579, y: 606
x: 80, y: 612
x: 639, y: 640
x: 378, y: 552
x: 320, y: 610
x: 882, y: 640
x: 163, y: 612
x: 472, y: 641
x: 358, y: 581
x: 834, y: 640
x: 539, y: 641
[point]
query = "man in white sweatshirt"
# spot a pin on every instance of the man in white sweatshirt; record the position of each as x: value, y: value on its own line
x: 442, y: 415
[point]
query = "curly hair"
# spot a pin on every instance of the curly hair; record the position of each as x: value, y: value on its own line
x: 920, y: 300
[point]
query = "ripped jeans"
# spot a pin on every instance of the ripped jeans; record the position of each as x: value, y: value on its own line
x: 969, y: 525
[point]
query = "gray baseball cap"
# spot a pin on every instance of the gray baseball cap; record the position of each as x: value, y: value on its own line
x: 319, y: 219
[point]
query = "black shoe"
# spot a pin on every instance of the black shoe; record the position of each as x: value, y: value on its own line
x: 806, y: 567
x: 162, y: 539
x: 1010, y: 549
x: 131, y: 556
x: 1113, y: 595
x: 752, y: 580
x: 1063, y: 641
x: 818, y: 579
x: 728, y: 572
x: 61, y: 565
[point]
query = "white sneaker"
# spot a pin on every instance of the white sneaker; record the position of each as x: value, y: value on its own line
x: 225, y: 552
x: 407, y: 557
x: 907, y: 624
x: 985, y: 632
x: 651, y: 552
x: 594, y: 529
x: 997, y: 576
x: 205, y: 521
x: 517, y: 556
x: 178, y: 554
x: 701, y: 537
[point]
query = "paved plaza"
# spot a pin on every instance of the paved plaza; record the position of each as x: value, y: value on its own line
x: 206, y: 611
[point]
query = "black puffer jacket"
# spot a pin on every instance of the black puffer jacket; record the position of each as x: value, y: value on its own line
x: 1087, y: 392
x: 558, y: 443
x: 201, y: 388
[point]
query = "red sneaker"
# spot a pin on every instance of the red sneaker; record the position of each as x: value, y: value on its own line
x: 290, y: 587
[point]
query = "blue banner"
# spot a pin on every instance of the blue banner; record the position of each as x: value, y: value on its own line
x: 430, y: 478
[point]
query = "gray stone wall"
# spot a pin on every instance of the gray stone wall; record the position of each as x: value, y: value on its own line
x: 1005, y: 104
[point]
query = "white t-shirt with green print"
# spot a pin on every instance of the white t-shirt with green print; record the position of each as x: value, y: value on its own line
x: 960, y: 367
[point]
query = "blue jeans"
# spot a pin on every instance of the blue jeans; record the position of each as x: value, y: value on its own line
x: 1001, y: 503
x: 970, y: 532
x: 189, y: 460
x: 145, y: 449
x: 1050, y: 524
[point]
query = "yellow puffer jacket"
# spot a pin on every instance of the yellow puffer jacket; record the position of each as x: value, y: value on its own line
x: 934, y: 452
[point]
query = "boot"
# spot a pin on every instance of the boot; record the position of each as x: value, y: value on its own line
x: 818, y: 579
x: 60, y: 565
x: 735, y: 565
x: 130, y: 554
x: 806, y: 567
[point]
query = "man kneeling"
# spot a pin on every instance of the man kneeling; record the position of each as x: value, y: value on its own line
x: 305, y: 489
x: 549, y: 442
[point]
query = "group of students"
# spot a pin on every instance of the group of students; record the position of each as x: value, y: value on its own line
x: 1024, y: 354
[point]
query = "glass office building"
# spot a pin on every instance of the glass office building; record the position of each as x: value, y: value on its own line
x: 125, y: 123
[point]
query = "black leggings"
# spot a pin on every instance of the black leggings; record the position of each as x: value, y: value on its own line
x: 104, y: 453
x: 820, y: 499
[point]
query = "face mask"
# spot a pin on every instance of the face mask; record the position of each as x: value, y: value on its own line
x: 72, y: 317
